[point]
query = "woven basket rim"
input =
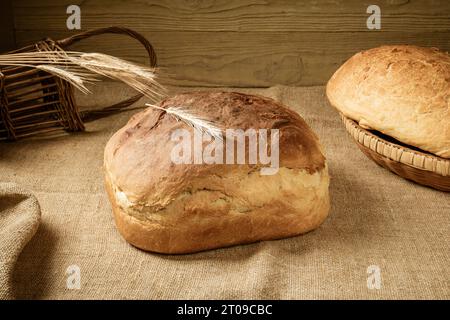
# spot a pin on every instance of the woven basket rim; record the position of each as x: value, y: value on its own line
x: 395, y: 152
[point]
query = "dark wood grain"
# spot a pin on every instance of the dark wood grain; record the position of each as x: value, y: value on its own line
x: 243, y: 42
x: 7, y: 41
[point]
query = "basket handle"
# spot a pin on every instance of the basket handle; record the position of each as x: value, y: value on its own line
x: 90, y: 115
x: 64, y: 43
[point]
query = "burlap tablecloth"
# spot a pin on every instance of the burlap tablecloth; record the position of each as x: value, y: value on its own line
x: 376, y: 219
x: 19, y: 220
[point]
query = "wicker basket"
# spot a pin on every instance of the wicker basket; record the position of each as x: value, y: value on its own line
x: 35, y: 102
x: 408, y: 162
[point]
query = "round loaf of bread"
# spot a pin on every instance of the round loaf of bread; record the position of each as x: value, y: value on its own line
x: 402, y: 91
x: 168, y: 207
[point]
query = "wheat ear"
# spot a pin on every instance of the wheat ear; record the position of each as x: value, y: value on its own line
x: 192, y: 120
x: 79, y: 68
x: 139, y: 77
x: 77, y: 80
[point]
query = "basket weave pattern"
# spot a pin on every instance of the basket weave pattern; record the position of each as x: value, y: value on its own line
x: 421, y: 167
x: 33, y: 101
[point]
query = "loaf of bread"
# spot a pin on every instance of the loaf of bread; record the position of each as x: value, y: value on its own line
x: 166, y: 207
x: 402, y: 91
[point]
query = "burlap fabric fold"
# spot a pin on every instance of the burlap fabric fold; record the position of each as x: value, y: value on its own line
x: 19, y: 220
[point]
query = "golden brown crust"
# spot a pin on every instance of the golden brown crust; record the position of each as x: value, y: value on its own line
x: 190, y: 231
x: 402, y: 91
x: 180, y: 208
x: 138, y: 155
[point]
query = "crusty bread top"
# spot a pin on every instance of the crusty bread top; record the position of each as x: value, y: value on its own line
x: 402, y: 91
x: 137, y: 157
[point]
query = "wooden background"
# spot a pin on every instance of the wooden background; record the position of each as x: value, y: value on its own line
x: 243, y: 43
x: 7, y: 41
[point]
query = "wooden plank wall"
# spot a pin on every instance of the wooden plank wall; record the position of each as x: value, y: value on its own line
x: 243, y: 43
x: 7, y: 41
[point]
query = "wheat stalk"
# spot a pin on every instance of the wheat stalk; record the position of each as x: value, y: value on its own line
x: 191, y: 119
x: 141, y: 78
x: 38, y: 57
x: 77, y: 80
x: 81, y: 68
